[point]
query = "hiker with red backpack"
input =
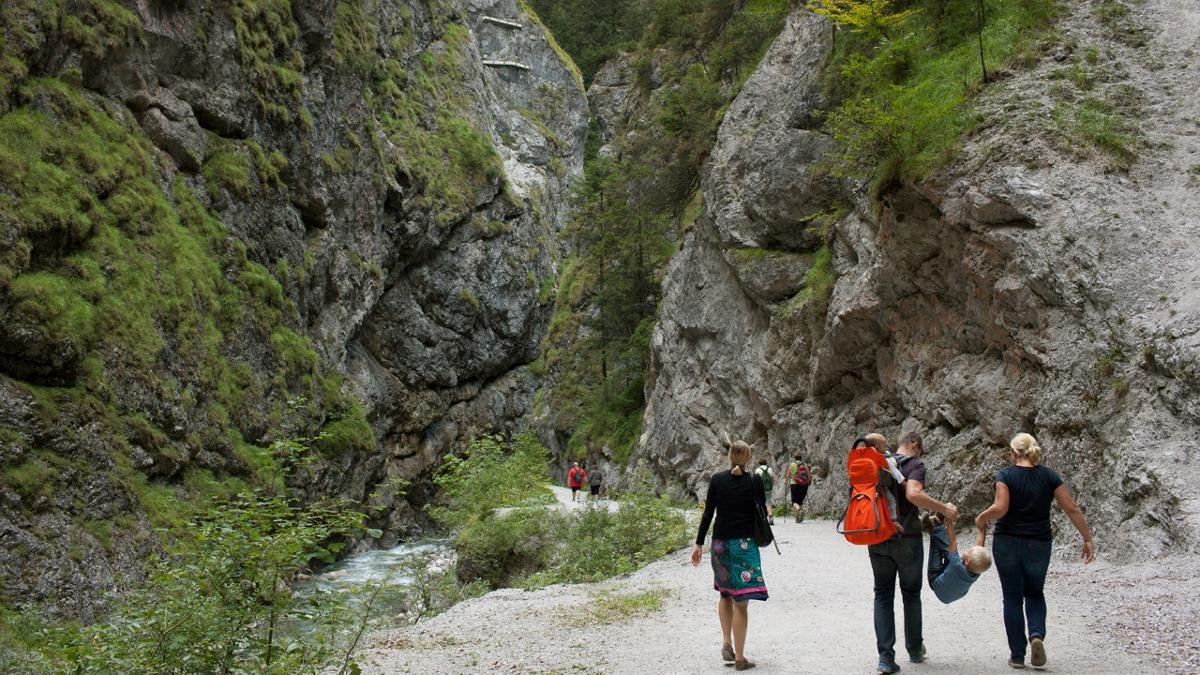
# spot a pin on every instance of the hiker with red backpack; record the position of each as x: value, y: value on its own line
x: 575, y: 478
x: 895, y: 546
x: 798, y: 478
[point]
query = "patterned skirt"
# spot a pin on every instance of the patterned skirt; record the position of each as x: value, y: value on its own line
x: 737, y: 569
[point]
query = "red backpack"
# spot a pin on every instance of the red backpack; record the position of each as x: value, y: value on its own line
x: 867, y: 519
x: 802, y: 476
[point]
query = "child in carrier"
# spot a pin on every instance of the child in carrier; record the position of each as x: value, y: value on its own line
x: 887, y: 478
x: 951, y: 575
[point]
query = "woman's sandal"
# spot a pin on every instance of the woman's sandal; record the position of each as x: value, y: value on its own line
x: 727, y: 653
x: 744, y: 664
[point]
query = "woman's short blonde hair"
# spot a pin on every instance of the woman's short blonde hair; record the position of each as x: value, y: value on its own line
x: 1026, y: 446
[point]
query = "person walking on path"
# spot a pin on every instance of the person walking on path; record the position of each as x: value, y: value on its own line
x: 798, y: 478
x: 900, y: 558
x: 575, y: 478
x: 768, y: 480
x: 1022, y: 542
x: 595, y: 480
x: 733, y: 496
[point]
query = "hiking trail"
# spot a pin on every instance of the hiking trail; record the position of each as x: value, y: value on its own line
x: 818, y: 620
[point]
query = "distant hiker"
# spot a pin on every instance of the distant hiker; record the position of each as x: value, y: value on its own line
x: 1023, y: 540
x: 950, y: 574
x: 575, y: 478
x: 595, y: 479
x: 900, y: 558
x: 768, y: 480
x: 737, y: 569
x: 798, y: 478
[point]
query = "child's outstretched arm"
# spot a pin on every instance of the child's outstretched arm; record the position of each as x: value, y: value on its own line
x: 950, y: 534
x: 982, y: 538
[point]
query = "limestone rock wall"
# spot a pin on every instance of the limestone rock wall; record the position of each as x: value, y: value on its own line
x: 379, y: 210
x: 1021, y: 289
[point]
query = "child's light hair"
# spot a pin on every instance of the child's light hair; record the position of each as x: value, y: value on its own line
x: 977, y: 559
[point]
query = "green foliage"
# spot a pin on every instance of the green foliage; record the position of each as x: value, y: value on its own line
x: 873, y: 18
x: 217, y: 602
x: 269, y: 46
x: 600, y: 544
x: 1094, y: 129
x: 219, y: 599
x: 228, y: 166
x: 491, y: 474
x: 32, y: 478
x: 119, y: 273
x: 351, y: 432
x: 551, y: 38
x: 502, y: 550
x: 902, y: 88
x: 532, y: 546
x: 93, y: 27
x: 354, y: 36
x: 425, y: 111
x: 592, y: 31
x: 634, y: 202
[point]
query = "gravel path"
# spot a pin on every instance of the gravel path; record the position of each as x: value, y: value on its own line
x: 818, y: 620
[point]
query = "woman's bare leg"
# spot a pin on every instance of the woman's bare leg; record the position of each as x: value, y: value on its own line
x: 741, y: 621
x: 725, y: 612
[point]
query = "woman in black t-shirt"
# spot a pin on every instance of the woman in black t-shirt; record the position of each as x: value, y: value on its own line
x: 1021, y: 547
x: 737, y: 568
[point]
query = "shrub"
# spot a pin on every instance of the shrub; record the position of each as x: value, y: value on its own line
x: 491, y: 474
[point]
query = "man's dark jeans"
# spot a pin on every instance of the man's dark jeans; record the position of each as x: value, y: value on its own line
x: 1022, y: 565
x: 897, y: 558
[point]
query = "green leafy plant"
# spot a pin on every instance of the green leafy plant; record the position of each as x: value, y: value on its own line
x: 491, y: 473
x: 216, y: 600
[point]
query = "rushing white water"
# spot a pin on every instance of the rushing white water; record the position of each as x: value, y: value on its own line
x: 387, y: 566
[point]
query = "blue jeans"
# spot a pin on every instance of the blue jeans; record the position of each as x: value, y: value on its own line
x: 897, y: 558
x: 1022, y: 565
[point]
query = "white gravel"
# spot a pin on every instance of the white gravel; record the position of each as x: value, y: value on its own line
x: 1103, y: 619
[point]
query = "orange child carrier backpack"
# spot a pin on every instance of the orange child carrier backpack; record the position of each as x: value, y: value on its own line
x: 867, y: 519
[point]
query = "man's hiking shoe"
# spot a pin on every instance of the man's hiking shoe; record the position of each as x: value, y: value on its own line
x: 917, y: 656
x: 887, y: 667
x: 727, y: 653
x: 744, y: 664
x: 1019, y: 664
x: 1037, y: 652
x: 799, y: 518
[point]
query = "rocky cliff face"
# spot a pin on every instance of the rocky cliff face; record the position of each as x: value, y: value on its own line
x: 1023, y: 288
x: 228, y: 222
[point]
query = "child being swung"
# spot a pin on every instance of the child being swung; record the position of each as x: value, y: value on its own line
x: 951, y: 574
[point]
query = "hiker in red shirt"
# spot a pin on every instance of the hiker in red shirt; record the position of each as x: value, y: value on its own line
x: 575, y: 478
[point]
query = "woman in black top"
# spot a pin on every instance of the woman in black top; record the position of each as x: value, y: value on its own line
x: 1021, y: 547
x: 737, y: 569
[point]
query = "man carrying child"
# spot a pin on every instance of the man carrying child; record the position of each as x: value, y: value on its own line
x: 900, y: 558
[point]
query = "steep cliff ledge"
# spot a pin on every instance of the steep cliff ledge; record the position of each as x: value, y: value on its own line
x: 223, y: 222
x: 1033, y: 284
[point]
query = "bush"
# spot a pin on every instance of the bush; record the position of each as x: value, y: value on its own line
x: 492, y: 474
x: 599, y: 544
x: 218, y: 602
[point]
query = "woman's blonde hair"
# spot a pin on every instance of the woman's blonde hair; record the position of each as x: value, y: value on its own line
x: 739, y: 456
x: 1026, y: 446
